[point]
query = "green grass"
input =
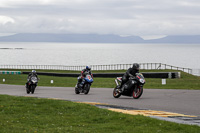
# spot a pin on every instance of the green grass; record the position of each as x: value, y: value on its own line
x: 187, y: 81
x: 25, y: 114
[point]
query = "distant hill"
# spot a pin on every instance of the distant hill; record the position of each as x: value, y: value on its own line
x: 94, y: 38
x: 79, y: 38
x: 177, y: 39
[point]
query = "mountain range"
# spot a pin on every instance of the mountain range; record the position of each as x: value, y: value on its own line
x: 96, y: 38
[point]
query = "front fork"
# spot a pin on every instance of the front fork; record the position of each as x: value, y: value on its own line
x: 116, y: 82
x: 137, y: 87
x: 118, y: 90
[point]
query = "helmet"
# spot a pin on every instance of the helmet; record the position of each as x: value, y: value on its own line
x: 136, y: 66
x: 33, y: 71
x: 88, y: 68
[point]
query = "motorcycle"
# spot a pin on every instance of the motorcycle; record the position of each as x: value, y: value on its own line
x: 87, y: 82
x: 133, y: 87
x: 31, y: 84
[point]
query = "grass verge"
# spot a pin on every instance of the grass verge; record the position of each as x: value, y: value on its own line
x: 26, y: 114
x: 187, y: 81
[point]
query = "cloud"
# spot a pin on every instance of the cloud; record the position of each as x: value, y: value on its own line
x: 122, y: 17
x: 150, y: 37
x: 5, y: 20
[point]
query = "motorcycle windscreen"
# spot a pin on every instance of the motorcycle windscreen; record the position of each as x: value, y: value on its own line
x: 34, y: 79
x: 89, y: 78
x: 140, y: 78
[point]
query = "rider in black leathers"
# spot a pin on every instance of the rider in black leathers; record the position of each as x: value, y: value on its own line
x: 33, y: 73
x: 130, y: 73
x: 80, y: 78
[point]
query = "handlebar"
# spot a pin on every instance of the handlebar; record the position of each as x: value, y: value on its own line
x: 132, y: 77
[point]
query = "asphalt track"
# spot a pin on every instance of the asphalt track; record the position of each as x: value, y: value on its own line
x: 178, y: 101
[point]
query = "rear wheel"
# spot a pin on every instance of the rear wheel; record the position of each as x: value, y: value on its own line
x: 116, y: 92
x: 137, y: 92
x: 86, y: 88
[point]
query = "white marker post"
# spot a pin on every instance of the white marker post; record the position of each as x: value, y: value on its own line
x: 51, y: 81
x: 4, y: 80
x: 163, y: 81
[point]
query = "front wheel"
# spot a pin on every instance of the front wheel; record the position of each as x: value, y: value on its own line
x: 86, y: 88
x: 27, y: 91
x: 116, y: 92
x: 33, y: 88
x: 77, y: 90
x: 137, y: 92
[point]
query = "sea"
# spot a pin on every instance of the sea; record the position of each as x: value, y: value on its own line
x: 71, y: 54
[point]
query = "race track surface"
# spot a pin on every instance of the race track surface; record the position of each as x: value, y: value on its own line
x: 178, y: 101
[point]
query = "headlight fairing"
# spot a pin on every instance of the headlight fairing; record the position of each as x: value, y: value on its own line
x: 142, y: 81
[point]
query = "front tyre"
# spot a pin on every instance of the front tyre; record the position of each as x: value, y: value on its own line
x: 137, y: 92
x: 86, y: 88
x: 116, y: 92
x: 27, y: 90
x: 77, y: 90
x: 33, y: 88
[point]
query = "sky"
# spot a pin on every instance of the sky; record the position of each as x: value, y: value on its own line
x: 146, y: 18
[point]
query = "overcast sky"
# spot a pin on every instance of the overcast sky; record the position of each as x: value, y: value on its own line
x: 120, y: 17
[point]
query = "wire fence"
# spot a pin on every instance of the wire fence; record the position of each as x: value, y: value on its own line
x: 144, y: 66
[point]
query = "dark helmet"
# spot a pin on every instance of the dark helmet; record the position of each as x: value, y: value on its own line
x: 136, y: 66
x: 88, y: 68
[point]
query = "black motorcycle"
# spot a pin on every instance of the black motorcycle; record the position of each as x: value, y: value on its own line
x: 87, y: 82
x: 32, y: 83
x: 133, y: 87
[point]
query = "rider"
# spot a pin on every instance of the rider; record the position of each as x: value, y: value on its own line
x: 82, y: 76
x: 130, y: 73
x: 33, y: 73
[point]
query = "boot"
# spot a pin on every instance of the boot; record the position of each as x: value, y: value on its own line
x: 122, y: 89
x: 76, y: 86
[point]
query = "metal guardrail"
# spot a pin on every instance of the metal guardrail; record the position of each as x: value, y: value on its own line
x: 144, y: 66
